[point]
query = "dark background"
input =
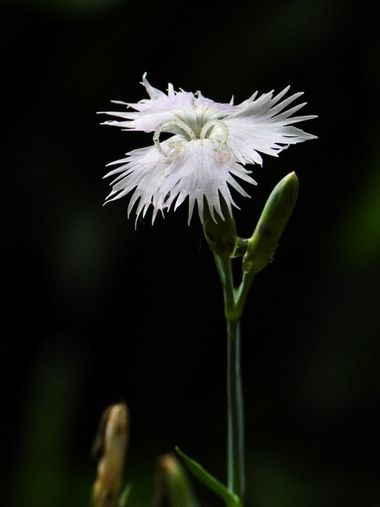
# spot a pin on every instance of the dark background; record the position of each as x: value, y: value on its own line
x: 95, y: 311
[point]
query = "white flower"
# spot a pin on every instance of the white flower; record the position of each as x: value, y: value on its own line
x: 209, y: 145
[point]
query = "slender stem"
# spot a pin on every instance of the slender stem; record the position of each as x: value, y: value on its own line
x: 242, y: 292
x: 235, y: 431
x: 224, y: 268
x: 235, y: 409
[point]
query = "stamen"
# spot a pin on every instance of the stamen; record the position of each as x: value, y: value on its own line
x: 215, y: 123
x: 174, y: 145
x: 223, y: 154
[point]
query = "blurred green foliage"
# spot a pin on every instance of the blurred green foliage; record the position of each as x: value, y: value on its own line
x: 358, y: 243
x: 45, y: 470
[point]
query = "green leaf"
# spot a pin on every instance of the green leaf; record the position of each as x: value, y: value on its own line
x: 229, y: 498
x: 123, y: 501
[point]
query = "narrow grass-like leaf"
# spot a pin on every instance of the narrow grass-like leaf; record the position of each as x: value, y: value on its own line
x: 123, y: 501
x: 229, y: 498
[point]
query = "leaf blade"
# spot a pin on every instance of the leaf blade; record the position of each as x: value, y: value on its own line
x: 217, y: 487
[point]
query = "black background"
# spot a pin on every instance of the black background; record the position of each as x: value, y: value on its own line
x: 95, y: 311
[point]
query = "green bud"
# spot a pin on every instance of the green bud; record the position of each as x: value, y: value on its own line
x: 172, y: 484
x: 221, y: 232
x: 272, y: 222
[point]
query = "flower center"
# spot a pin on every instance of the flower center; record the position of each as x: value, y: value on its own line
x: 213, y: 129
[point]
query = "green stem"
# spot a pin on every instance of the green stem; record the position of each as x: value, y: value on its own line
x: 223, y: 265
x: 235, y: 409
x: 242, y: 292
x: 235, y: 435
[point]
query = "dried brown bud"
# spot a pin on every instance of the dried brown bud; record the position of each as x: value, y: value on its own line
x: 110, y: 444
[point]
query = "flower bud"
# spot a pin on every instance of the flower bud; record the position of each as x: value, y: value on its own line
x: 110, y: 443
x: 272, y: 222
x: 172, y: 484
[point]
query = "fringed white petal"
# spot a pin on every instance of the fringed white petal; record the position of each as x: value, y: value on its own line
x: 264, y: 126
x: 197, y: 173
x: 150, y: 113
x: 205, y: 157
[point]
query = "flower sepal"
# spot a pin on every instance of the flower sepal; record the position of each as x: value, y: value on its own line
x: 220, y: 233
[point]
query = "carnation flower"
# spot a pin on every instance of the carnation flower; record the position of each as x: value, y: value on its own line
x: 208, y: 147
